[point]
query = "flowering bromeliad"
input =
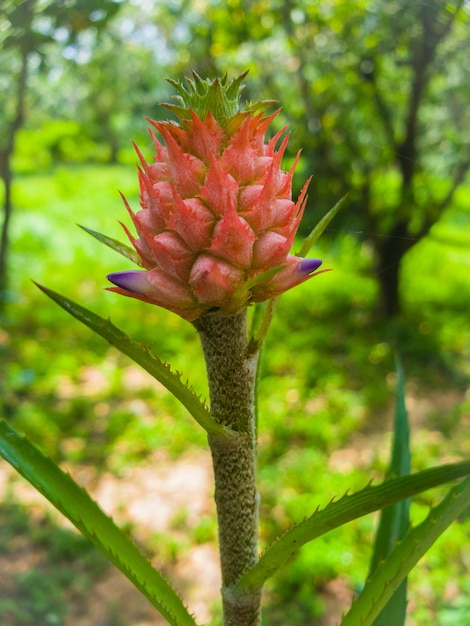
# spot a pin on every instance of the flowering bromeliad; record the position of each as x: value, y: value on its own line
x: 217, y: 219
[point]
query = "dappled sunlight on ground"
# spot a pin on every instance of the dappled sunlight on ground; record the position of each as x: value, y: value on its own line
x: 167, y: 497
x: 166, y: 504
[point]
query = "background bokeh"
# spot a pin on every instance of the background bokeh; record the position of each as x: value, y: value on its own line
x: 376, y: 95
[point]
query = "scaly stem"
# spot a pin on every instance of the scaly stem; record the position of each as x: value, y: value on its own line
x: 231, y: 372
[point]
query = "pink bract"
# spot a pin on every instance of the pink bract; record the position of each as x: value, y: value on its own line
x: 217, y: 218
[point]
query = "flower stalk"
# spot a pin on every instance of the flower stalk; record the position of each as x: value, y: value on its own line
x: 216, y: 225
x: 231, y: 371
x: 213, y: 237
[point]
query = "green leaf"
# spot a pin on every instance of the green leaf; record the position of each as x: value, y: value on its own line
x: 115, y: 245
x: 264, y: 314
x: 318, y: 230
x: 141, y: 355
x: 390, y: 574
x: 348, y: 508
x: 220, y: 97
x: 395, y: 520
x: 75, y: 503
x: 262, y: 317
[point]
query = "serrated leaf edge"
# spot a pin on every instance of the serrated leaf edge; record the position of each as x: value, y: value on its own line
x: 144, y: 357
x: 344, y: 510
x: 391, y: 572
x: 33, y: 465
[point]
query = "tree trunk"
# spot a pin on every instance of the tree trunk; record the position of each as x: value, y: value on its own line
x: 6, y: 174
x: 388, y: 277
x: 390, y: 253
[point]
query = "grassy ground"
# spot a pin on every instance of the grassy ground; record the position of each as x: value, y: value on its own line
x: 326, y: 396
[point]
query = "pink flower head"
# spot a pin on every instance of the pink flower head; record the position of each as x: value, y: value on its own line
x: 217, y: 218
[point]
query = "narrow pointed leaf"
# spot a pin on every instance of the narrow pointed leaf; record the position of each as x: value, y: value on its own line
x: 75, y: 503
x: 319, y: 229
x: 141, y: 355
x: 115, y: 245
x: 348, y: 508
x: 390, y: 574
x: 262, y: 318
x: 263, y: 322
x: 395, y: 519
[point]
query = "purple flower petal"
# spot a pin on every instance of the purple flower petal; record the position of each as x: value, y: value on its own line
x: 307, y: 266
x: 135, y: 281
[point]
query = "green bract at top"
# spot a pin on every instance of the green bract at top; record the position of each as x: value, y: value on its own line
x: 218, y: 96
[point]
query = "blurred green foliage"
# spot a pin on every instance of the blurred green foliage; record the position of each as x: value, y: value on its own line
x: 375, y: 95
x: 361, y: 88
x: 53, y: 573
x: 326, y: 389
x: 344, y: 78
